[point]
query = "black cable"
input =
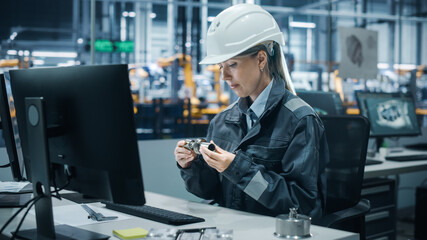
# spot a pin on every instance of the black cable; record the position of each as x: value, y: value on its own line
x: 26, y: 212
x: 5, y: 166
x: 17, y: 193
x: 25, y: 215
x: 17, y: 212
x: 31, y: 202
x: 58, y: 195
x: 55, y: 187
x: 57, y: 190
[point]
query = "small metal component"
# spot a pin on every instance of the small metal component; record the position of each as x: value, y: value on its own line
x: 96, y: 216
x: 292, y: 225
x: 194, y: 145
x: 293, y: 213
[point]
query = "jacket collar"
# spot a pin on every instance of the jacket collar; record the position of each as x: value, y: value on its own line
x: 276, y: 94
x: 234, y: 115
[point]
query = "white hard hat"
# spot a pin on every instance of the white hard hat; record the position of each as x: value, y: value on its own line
x: 237, y: 29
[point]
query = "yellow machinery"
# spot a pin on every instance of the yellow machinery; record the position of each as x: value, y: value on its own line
x: 184, y: 61
x: 6, y: 63
x: 12, y: 63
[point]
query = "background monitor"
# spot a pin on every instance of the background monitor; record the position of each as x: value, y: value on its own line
x: 324, y: 103
x: 12, y: 146
x: 390, y: 114
x: 90, y: 122
x: 15, y: 160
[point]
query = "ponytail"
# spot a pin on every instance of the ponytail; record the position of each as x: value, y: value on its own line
x: 276, y: 63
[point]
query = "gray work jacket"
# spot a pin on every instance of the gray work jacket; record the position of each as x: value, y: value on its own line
x: 279, y: 163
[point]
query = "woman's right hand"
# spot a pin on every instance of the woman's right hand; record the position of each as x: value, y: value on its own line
x: 183, y: 156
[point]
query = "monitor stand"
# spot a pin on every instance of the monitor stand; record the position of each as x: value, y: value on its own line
x: 80, y: 198
x: 40, y: 172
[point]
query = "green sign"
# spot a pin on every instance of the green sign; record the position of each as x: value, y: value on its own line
x: 125, y: 46
x: 104, y: 45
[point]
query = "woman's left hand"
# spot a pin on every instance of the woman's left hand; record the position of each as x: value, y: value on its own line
x: 218, y: 159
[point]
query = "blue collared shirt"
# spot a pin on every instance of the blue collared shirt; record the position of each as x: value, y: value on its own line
x: 257, y: 107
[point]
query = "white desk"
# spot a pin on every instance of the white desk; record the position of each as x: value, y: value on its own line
x: 245, y: 225
x: 388, y: 168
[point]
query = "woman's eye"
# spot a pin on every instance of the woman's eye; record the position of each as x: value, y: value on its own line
x: 232, y: 65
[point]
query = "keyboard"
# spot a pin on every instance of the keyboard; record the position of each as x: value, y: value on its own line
x: 155, y: 214
x: 417, y: 146
x: 405, y: 158
x: 372, y: 162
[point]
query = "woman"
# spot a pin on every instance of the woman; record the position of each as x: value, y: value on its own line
x: 271, y: 148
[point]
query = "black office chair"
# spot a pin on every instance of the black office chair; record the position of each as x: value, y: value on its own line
x: 347, y: 138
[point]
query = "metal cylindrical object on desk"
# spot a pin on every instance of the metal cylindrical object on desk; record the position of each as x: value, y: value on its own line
x: 293, y: 225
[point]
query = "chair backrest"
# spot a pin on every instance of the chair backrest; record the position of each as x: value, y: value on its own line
x: 347, y: 138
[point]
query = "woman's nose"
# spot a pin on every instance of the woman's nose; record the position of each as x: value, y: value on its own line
x: 224, y: 73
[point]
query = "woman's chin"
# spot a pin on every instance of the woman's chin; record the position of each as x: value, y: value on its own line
x: 240, y: 94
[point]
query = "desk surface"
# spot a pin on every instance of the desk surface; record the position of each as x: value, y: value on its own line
x: 393, y: 167
x: 244, y: 225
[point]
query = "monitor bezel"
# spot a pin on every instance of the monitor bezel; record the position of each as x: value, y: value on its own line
x: 391, y: 95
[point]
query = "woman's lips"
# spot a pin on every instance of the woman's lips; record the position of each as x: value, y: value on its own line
x: 232, y: 86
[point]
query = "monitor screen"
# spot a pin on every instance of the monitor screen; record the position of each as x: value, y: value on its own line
x: 95, y: 144
x: 390, y: 114
x: 324, y: 103
x: 10, y: 132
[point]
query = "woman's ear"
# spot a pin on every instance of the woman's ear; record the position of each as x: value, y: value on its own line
x: 262, y: 59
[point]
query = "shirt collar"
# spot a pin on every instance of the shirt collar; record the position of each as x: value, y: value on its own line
x: 258, y: 106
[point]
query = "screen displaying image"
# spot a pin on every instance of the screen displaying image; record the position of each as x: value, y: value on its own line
x: 390, y: 114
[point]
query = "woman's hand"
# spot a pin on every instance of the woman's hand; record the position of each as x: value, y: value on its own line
x: 183, y: 156
x: 218, y: 159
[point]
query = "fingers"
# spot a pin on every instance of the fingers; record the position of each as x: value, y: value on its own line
x: 217, y: 148
x: 185, y: 163
x: 180, y: 143
x: 183, y: 156
x: 184, y: 160
x: 219, y: 160
x: 208, y: 159
x: 182, y: 150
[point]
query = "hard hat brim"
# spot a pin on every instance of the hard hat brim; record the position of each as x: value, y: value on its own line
x: 216, y: 59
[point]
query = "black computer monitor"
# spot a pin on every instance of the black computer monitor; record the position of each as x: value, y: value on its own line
x: 390, y: 114
x: 15, y: 161
x: 324, y: 103
x: 90, y: 136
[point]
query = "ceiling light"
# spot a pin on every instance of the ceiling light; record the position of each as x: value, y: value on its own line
x: 13, y: 35
x: 12, y: 52
x: 55, y: 54
x: 302, y: 24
